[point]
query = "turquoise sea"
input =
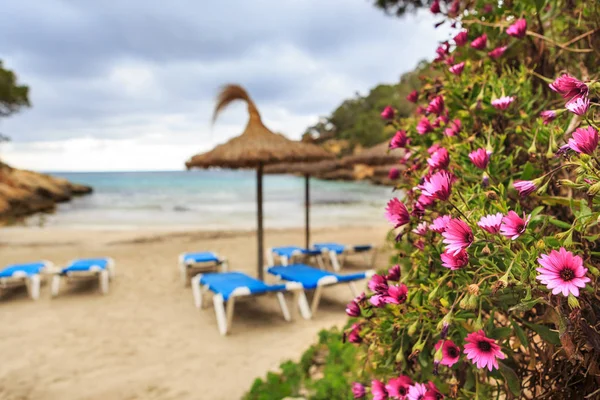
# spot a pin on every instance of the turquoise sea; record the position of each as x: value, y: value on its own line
x: 213, y: 199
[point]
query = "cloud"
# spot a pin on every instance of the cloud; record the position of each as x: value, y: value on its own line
x: 121, y: 73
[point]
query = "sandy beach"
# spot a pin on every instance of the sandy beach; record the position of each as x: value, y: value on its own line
x: 145, y: 339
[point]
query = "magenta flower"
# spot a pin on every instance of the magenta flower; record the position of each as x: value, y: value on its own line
x: 438, y: 186
x: 450, y: 352
x: 352, y: 309
x: 518, y: 29
x: 461, y: 38
x: 569, y: 87
x: 416, y: 392
x: 378, y: 300
x: 480, y: 42
x: 436, y: 106
x: 548, y: 116
x: 396, y: 294
x: 378, y: 284
x: 457, y: 69
x: 425, y: 201
x: 432, y: 392
x: 584, y: 140
x: 397, y: 213
x: 525, y: 188
x: 449, y: 60
x: 394, y: 173
x: 454, y: 128
x: 378, y: 390
x: 439, y: 160
x: 438, y: 225
x: 514, y: 226
x: 433, y: 148
x: 435, y: 7
x: 480, y: 158
x: 358, y: 390
x: 457, y: 236
x: 454, y: 261
x: 424, y: 126
x: 563, y: 272
x: 578, y: 105
x: 398, y: 387
x: 497, y: 52
x: 387, y: 113
x: 413, y: 96
x: 354, y: 335
x: 421, y: 229
x: 399, y: 140
x: 442, y: 119
x: 491, y: 223
x: 503, y: 102
x: 394, y: 273
x: 454, y: 8
x: 482, y: 350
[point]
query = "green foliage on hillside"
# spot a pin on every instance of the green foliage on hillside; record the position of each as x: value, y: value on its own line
x: 13, y: 97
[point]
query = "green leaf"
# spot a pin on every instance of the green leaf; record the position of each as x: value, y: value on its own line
x: 501, y: 333
x: 528, y: 171
x: 545, y: 333
x: 559, y: 223
x: 539, y: 5
x: 525, y: 305
x: 511, y: 378
x: 519, y: 332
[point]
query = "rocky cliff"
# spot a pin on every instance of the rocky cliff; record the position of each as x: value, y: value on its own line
x: 23, y: 193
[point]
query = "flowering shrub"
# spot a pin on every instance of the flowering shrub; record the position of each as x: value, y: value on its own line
x: 495, y: 289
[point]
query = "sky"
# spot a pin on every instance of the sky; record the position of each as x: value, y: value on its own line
x: 130, y: 85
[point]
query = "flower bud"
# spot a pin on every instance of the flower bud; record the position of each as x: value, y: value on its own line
x: 540, y: 245
x: 594, y: 189
x: 593, y: 270
x: 486, y: 251
x: 491, y: 195
x: 413, y: 328
x: 472, y: 303
x: 473, y: 289
x: 463, y: 301
x: 573, y: 302
x: 478, y: 324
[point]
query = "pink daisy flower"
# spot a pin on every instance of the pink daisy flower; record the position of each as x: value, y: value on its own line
x: 396, y: 294
x: 461, y: 38
x: 491, y: 223
x: 433, y: 148
x: 438, y: 225
x: 514, y: 226
x: 548, y: 116
x: 421, y: 229
x: 398, y: 387
x: 394, y: 173
x: 454, y: 261
x: 393, y: 274
x: 399, y: 140
x: 378, y: 284
x: 358, y: 390
x: 397, y: 213
x: 480, y: 42
x: 563, y: 272
x: 352, y: 309
x: 578, y: 105
x: 482, y: 350
x: 432, y: 392
x: 457, y: 236
x: 525, y: 188
x: 354, y: 335
x: 377, y: 300
x: 424, y: 126
x: 503, y: 102
x: 480, y: 158
x: 568, y: 87
x: 454, y: 8
x: 457, y: 69
x: 454, y: 128
x: 438, y: 186
x: 387, y: 113
x: 436, y: 106
x: 378, y: 390
x: 416, y: 392
x: 497, y: 52
x: 584, y: 140
x: 413, y: 96
x: 439, y: 121
x: 518, y: 29
x: 435, y: 7
x: 450, y: 352
x: 439, y: 160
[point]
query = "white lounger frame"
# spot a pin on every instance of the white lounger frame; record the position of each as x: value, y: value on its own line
x: 207, y: 266
x: 224, y: 309
x: 285, y: 260
x: 104, y: 275
x: 338, y: 262
x: 32, y: 282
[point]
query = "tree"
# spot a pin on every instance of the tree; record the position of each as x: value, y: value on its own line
x: 400, y: 7
x: 13, y: 96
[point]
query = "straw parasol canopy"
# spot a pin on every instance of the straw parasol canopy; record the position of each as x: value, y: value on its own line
x: 304, y: 168
x: 376, y: 155
x: 256, y: 147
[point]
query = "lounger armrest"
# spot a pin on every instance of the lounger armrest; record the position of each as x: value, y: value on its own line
x: 291, y: 286
x: 327, y: 280
x: 240, y: 291
x: 369, y: 273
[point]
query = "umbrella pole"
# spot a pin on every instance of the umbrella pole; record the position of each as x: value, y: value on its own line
x: 259, y: 203
x: 307, y: 209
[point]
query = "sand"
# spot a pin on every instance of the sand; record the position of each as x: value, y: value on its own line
x: 145, y: 339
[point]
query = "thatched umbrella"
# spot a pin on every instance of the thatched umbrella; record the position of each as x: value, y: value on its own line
x: 256, y: 147
x: 376, y: 155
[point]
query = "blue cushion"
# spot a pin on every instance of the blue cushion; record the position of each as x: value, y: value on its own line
x: 84, y: 264
x: 225, y: 283
x: 289, y: 251
x: 201, y: 257
x: 309, y: 276
x: 362, y: 247
x: 333, y: 247
x: 28, y: 268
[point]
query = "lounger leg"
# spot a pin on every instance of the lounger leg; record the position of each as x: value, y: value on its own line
x: 220, y: 313
x: 103, y: 277
x: 302, y: 302
x: 230, y: 305
x: 196, y: 291
x: 353, y: 289
x: 183, y: 271
x: 111, y: 268
x: 55, y: 285
x: 320, y: 262
x: 269, y: 255
x: 316, y: 299
x: 224, y: 266
x: 284, y: 307
x: 334, y: 261
x: 33, y: 286
x: 284, y: 261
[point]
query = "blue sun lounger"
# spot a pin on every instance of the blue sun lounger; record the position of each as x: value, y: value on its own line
x: 287, y: 255
x: 27, y: 274
x: 102, y: 269
x: 191, y: 264
x: 313, y: 278
x: 336, y: 249
x: 228, y: 286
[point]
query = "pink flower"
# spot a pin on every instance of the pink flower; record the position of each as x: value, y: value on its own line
x: 449, y: 60
x: 397, y: 213
x: 378, y: 390
x: 578, y: 105
x: 424, y: 126
x: 399, y: 140
x: 461, y: 38
x: 491, y: 223
x: 518, y: 29
x: 454, y: 8
x: 584, y: 140
x: 398, y: 387
x: 377, y: 300
x: 439, y: 160
x: 433, y: 148
x: 352, y: 309
x: 354, y: 335
x: 480, y: 158
x: 435, y: 7
x: 480, y: 42
x: 503, y: 102
x: 358, y: 390
x: 416, y: 392
x: 450, y: 352
x: 378, y: 284
x: 568, y: 87
x: 482, y: 350
x: 457, y: 236
x: 436, y: 106
x: 421, y: 229
x: 457, y: 69
x: 563, y: 272
x: 513, y: 226
x: 442, y: 119
x: 525, y: 188
x: 497, y: 52
x: 396, y: 294
x: 438, y: 225
x: 432, y: 392
x: 454, y: 128
x: 394, y: 173
x: 454, y: 261
x: 387, y: 113
x: 413, y: 96
x: 548, y: 116
x: 394, y: 273
x: 425, y: 201
x: 438, y: 186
